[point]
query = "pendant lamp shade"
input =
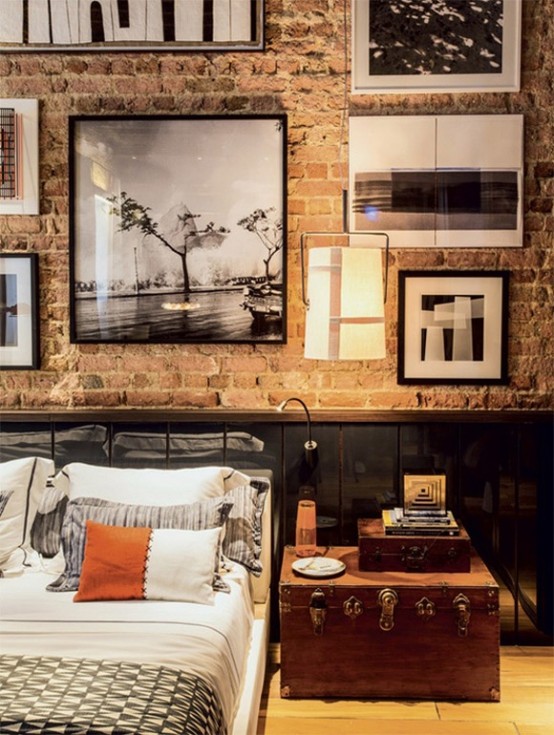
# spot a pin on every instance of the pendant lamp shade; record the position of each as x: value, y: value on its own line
x: 345, y: 319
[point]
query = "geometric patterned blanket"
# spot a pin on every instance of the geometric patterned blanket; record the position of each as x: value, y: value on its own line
x: 50, y: 695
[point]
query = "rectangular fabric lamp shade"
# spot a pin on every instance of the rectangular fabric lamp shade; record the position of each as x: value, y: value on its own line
x: 345, y: 319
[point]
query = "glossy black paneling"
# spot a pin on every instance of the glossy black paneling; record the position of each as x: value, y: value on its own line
x: 195, y: 445
x: 369, y: 474
x: 24, y: 439
x: 89, y: 443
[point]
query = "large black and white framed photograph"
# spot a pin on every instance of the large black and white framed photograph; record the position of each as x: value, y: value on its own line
x: 408, y: 179
x: 19, y: 311
x: 410, y: 46
x: 131, y: 25
x: 178, y: 228
x: 453, y: 327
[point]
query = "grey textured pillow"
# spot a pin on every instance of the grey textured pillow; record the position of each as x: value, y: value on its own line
x: 198, y: 516
x: 243, y: 531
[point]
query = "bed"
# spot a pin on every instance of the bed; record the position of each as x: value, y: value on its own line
x: 100, y: 629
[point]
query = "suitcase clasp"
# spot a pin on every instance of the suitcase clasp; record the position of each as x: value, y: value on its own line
x: 387, y: 600
x: 425, y: 608
x: 463, y: 607
x: 318, y: 610
x: 353, y: 607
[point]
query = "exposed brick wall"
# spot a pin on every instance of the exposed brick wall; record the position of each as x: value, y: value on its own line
x: 300, y: 73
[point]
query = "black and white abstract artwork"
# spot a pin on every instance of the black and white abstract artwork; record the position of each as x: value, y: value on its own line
x: 438, y: 181
x: 147, y: 25
x: 436, y: 45
x: 178, y: 228
x: 452, y: 326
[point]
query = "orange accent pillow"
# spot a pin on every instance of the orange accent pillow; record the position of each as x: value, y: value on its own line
x: 114, y: 563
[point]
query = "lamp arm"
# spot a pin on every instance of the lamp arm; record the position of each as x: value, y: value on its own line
x: 310, y: 444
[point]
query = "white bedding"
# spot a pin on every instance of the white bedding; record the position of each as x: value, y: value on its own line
x: 211, y: 641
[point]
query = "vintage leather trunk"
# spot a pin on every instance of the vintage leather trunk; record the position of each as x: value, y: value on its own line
x: 382, y: 553
x: 389, y: 634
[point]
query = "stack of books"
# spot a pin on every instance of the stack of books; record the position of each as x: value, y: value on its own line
x: 397, y: 522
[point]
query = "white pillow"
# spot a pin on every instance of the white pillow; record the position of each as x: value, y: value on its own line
x: 148, y: 486
x: 22, y: 482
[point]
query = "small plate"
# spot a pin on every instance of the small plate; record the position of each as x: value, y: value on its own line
x: 318, y: 566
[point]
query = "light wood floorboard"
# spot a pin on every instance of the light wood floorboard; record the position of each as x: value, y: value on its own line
x: 526, y: 706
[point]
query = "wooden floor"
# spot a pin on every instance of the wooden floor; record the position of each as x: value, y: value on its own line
x: 526, y: 706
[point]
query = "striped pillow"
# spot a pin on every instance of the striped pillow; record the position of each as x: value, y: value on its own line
x: 194, y: 517
x: 242, y: 542
x: 148, y: 564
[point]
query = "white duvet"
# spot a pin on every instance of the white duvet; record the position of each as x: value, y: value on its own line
x: 209, y: 640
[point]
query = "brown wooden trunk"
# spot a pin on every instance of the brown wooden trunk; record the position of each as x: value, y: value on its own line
x: 382, y: 553
x: 439, y: 641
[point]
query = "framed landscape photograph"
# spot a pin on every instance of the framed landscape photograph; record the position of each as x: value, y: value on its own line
x: 178, y: 228
x: 408, y: 179
x: 453, y: 327
x: 410, y: 46
x: 19, y: 311
x: 131, y: 25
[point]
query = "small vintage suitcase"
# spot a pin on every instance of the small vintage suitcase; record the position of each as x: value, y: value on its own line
x: 382, y: 553
x: 389, y: 634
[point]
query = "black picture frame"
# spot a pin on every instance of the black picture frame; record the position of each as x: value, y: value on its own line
x: 19, y: 312
x: 453, y: 327
x: 178, y: 228
x: 133, y: 25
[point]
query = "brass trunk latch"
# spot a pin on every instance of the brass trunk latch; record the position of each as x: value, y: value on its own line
x: 414, y: 557
x: 387, y: 600
x: 318, y: 610
x: 353, y: 607
x: 425, y: 608
x: 463, y: 608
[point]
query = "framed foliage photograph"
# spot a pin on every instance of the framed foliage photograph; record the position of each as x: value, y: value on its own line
x: 19, y: 311
x: 178, y: 228
x: 453, y: 327
x: 410, y: 46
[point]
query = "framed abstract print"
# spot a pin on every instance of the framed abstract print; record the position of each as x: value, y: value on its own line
x: 131, y: 25
x: 410, y: 46
x: 438, y: 181
x: 19, y: 311
x: 19, y: 157
x: 178, y: 228
x: 453, y: 327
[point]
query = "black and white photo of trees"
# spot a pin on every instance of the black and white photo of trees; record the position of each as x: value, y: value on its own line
x: 178, y: 229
